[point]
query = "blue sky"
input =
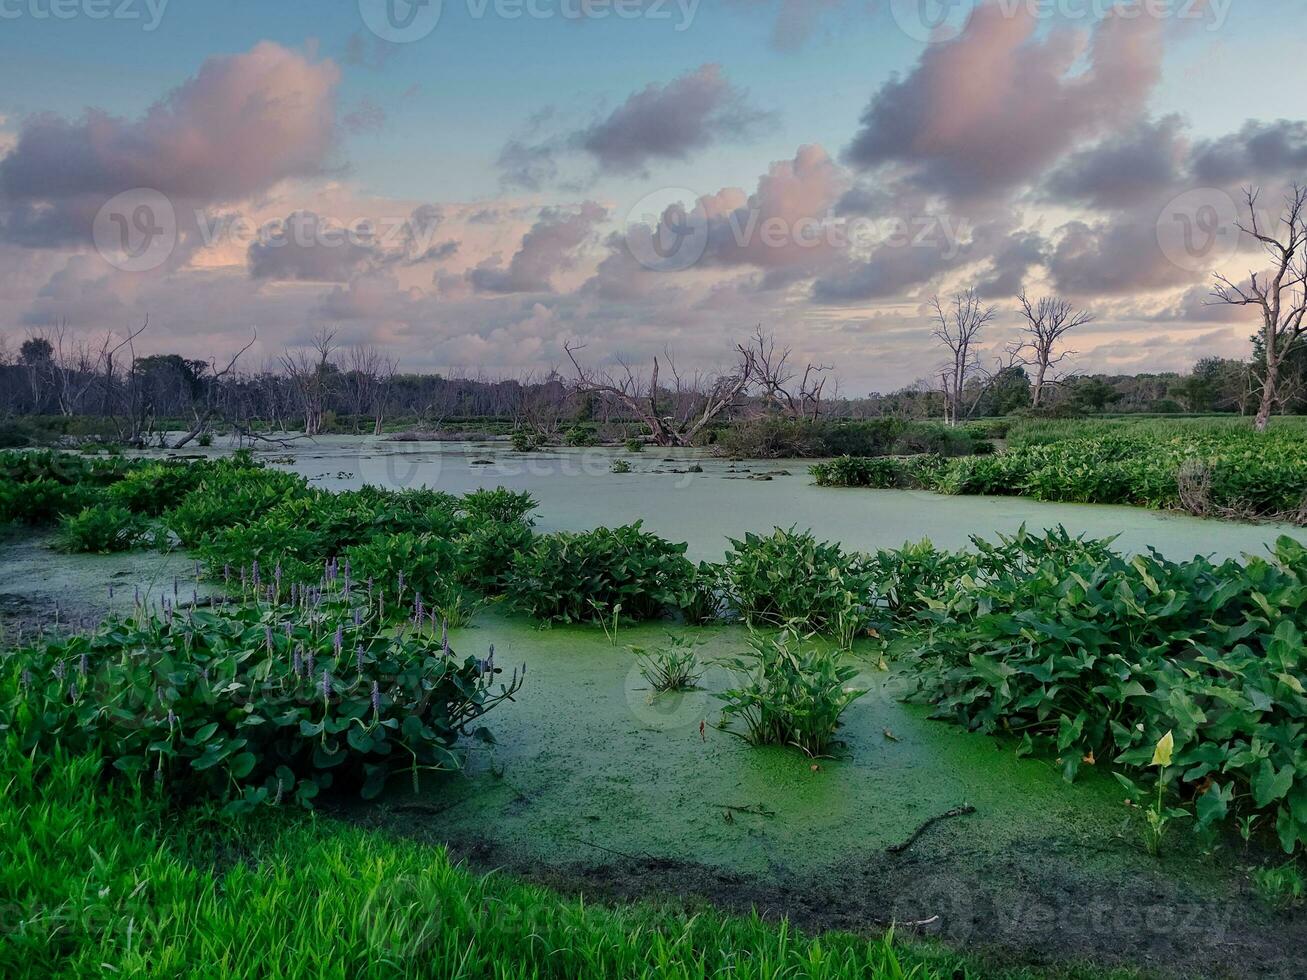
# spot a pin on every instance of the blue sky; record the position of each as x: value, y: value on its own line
x: 442, y: 110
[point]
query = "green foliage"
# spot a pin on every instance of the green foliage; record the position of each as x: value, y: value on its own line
x: 621, y: 466
x: 499, y: 505
x: 789, y: 692
x: 234, y: 493
x: 1282, y: 887
x: 524, y: 442
x: 102, y: 528
x: 157, y: 487
x: 204, y: 439
x: 904, y: 580
x: 250, y: 704
x: 42, y: 501
x: 673, y: 667
x: 488, y: 551
x: 1142, y: 463
x: 634, y: 445
x: 776, y: 438
x: 77, y: 853
x: 788, y: 577
x: 406, y: 565
x: 579, y: 436
x: 1092, y: 656
x: 574, y: 578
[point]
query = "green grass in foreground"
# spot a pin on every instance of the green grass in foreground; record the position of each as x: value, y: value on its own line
x: 92, y: 884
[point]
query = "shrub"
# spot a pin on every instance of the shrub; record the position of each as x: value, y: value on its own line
x: 579, y: 436
x: 157, y: 487
x: 405, y: 566
x: 42, y: 501
x: 252, y: 704
x: 205, y: 439
x: 524, y: 442
x: 231, y: 494
x: 621, y: 466
x: 102, y: 528
x: 499, y: 505
x: 634, y: 445
x: 788, y: 578
x: 488, y: 552
x: 905, y: 580
x: 574, y: 578
x: 789, y: 693
x: 1095, y: 657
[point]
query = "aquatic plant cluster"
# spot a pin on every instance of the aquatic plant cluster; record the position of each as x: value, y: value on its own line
x: 1208, y: 470
x: 1069, y: 648
x: 263, y: 698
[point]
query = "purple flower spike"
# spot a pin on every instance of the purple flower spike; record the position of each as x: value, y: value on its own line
x: 326, y: 685
x: 376, y: 698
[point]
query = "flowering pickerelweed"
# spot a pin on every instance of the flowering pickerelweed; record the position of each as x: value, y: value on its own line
x: 376, y: 699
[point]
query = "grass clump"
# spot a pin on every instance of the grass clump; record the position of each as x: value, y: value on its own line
x: 672, y: 667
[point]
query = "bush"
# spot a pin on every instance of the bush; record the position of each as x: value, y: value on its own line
x: 488, y: 553
x: 253, y: 704
x: 573, y: 578
x: 634, y: 445
x: 406, y: 567
x: 905, y: 580
x: 103, y: 528
x: 499, y: 505
x: 524, y: 442
x: 790, y: 693
x: 157, y: 487
x: 788, y: 578
x: 231, y: 494
x: 1091, y: 656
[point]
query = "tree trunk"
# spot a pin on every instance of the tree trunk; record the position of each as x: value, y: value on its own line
x: 1037, y: 395
x: 1268, y: 396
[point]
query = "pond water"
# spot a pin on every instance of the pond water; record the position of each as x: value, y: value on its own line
x: 577, y: 491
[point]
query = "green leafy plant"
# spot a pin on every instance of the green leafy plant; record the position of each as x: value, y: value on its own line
x: 789, y: 691
x: 621, y: 466
x: 1282, y: 887
x: 575, y: 578
x: 671, y: 667
x: 634, y: 445
x: 254, y: 703
x: 103, y: 528
x: 789, y: 577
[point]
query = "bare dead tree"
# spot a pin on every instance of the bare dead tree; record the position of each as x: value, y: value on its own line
x: 309, y: 370
x: 958, y: 328
x: 776, y: 377
x: 674, y: 417
x: 1048, y: 321
x: 1280, y: 294
x: 212, y: 387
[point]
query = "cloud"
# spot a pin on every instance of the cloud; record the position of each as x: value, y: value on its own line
x: 1259, y: 151
x: 659, y: 123
x: 242, y: 124
x: 548, y: 248
x: 307, y: 248
x: 1124, y: 169
x: 994, y: 108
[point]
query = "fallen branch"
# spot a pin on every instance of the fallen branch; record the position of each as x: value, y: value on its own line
x: 961, y: 811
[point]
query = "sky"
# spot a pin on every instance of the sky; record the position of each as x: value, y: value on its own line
x: 472, y: 184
